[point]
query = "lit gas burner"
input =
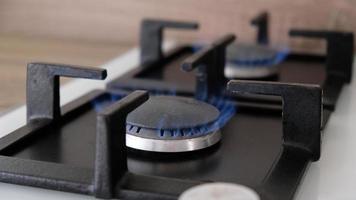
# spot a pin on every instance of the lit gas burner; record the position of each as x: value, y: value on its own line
x: 173, y: 124
x: 255, y: 61
x: 250, y: 61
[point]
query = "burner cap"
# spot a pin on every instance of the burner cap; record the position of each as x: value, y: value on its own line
x: 250, y: 54
x: 233, y: 71
x: 252, y: 61
x: 172, y: 112
x: 172, y: 124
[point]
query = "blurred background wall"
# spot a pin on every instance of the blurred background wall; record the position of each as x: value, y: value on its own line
x: 113, y: 21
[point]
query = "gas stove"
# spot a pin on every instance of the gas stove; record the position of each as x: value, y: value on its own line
x: 176, y: 126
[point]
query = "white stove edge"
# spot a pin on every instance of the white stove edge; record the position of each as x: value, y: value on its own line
x: 333, y: 177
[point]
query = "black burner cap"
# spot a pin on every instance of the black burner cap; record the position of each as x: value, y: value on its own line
x: 172, y: 112
x: 250, y: 54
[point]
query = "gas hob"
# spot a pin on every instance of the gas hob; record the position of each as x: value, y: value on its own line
x: 78, y: 148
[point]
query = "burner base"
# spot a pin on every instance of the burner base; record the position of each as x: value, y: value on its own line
x: 250, y: 72
x: 173, y: 146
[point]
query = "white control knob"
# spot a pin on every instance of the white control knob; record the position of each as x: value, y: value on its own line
x: 221, y: 191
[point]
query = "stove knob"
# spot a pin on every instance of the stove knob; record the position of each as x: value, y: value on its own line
x: 223, y: 191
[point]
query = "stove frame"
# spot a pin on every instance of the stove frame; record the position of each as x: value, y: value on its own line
x: 300, y: 148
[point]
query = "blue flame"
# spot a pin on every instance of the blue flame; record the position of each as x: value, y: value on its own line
x: 227, y: 110
x: 104, y: 101
x: 280, y: 56
x: 171, y: 92
x: 197, y: 47
x: 226, y: 107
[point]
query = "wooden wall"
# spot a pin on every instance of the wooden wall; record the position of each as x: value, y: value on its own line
x: 117, y: 21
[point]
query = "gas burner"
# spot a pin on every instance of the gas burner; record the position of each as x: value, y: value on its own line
x: 173, y: 124
x: 252, y: 61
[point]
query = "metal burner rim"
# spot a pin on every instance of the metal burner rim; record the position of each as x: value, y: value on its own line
x: 173, y: 146
x: 232, y: 71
